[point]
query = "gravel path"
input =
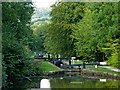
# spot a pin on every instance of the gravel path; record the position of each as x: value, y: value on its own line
x: 111, y: 68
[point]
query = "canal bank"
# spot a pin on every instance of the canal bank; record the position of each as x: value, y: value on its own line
x: 100, y: 74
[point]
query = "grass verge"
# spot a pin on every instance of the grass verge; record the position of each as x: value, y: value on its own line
x: 45, y: 66
x: 77, y: 62
x: 80, y: 62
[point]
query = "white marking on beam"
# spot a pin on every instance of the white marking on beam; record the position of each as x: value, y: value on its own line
x: 73, y: 58
x: 103, y: 80
x: 103, y: 63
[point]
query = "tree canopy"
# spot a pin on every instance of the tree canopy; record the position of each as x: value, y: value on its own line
x: 84, y: 30
x: 58, y: 40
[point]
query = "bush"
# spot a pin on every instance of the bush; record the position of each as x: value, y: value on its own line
x: 112, y: 53
x: 113, y: 60
x: 31, y: 68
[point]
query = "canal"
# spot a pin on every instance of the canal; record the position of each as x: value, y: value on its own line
x: 65, y: 81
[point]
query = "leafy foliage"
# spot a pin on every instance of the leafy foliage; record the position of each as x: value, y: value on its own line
x: 16, y: 34
x: 97, y: 27
x: 112, y: 51
x: 39, y: 35
x: 58, y: 40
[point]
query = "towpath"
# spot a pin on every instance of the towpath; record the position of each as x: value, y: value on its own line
x: 111, y: 68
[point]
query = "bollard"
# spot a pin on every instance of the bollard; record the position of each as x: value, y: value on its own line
x: 95, y: 66
x: 73, y: 61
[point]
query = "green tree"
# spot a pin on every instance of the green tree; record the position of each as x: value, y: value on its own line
x: 112, y: 51
x: 83, y: 33
x: 39, y: 35
x: 98, y: 26
x: 58, y: 40
x: 15, y: 34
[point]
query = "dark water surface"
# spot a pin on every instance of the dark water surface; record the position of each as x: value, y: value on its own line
x: 65, y: 81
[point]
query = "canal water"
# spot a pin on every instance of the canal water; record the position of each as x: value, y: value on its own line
x: 65, y: 81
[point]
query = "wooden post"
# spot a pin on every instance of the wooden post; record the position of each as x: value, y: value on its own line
x: 48, y: 56
x: 70, y: 63
x: 57, y: 57
x: 45, y: 59
x: 79, y: 68
x: 53, y: 62
x: 69, y: 79
x: 83, y: 80
x: 83, y: 64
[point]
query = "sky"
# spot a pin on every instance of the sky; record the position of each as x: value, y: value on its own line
x: 43, y: 3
